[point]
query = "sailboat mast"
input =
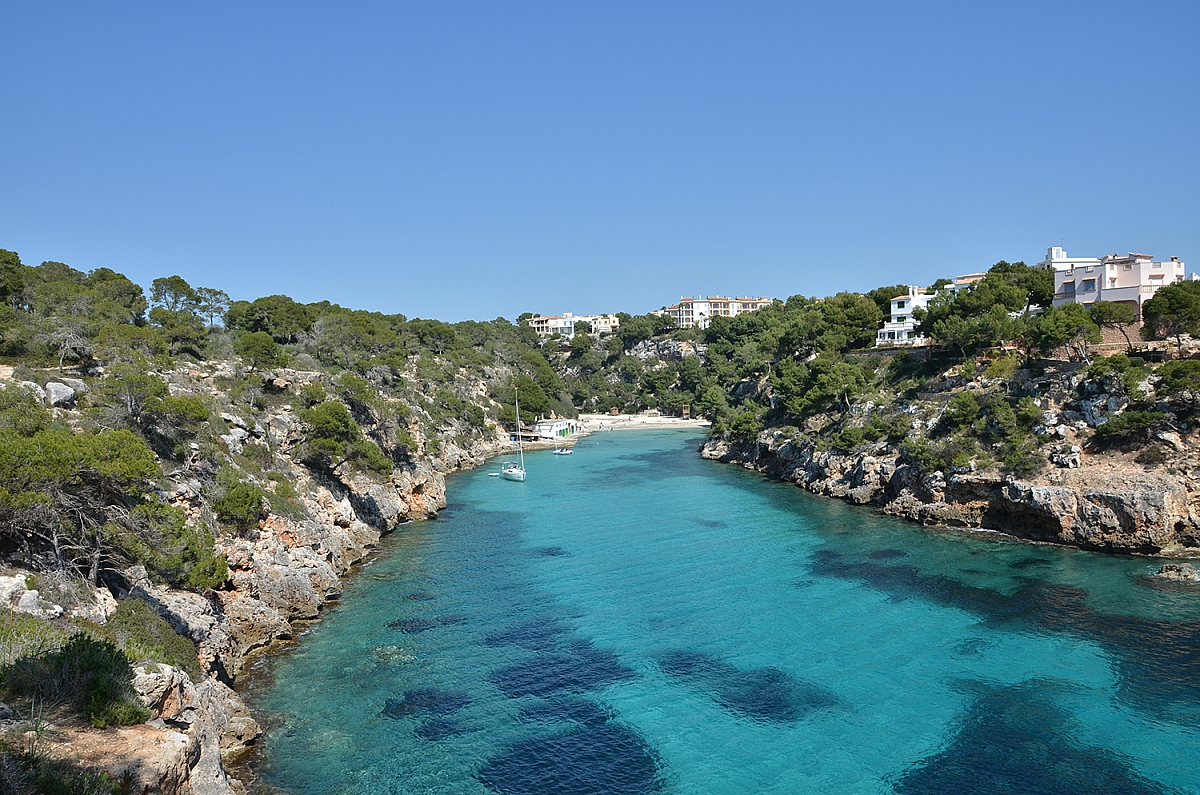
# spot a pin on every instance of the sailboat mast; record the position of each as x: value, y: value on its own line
x: 520, y: 442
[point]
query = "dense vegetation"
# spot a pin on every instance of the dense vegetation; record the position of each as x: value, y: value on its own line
x: 89, y: 491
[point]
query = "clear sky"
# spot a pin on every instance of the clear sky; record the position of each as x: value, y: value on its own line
x: 468, y: 160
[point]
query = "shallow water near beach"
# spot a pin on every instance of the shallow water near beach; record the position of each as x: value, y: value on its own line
x: 633, y: 619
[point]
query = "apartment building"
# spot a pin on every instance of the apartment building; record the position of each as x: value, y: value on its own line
x: 567, y: 323
x: 698, y: 312
x: 1129, y: 278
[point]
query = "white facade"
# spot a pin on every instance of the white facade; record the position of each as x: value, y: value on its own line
x: 557, y: 429
x: 1057, y: 260
x: 1130, y: 279
x: 565, y: 324
x: 901, y: 329
x: 699, y: 312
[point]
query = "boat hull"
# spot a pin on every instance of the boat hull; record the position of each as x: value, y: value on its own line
x: 513, y: 474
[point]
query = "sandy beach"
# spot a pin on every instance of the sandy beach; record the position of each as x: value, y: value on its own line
x: 609, y: 422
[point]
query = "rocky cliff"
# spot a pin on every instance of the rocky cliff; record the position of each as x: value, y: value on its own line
x: 280, y: 571
x: 1101, y: 502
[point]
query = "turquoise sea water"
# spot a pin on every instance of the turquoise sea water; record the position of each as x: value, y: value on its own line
x: 634, y: 619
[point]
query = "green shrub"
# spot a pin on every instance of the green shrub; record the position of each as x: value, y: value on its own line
x: 1130, y: 369
x: 962, y: 410
x: 312, y: 393
x: 259, y: 348
x: 334, y: 438
x: 240, y: 507
x: 1180, y: 376
x: 1128, y: 422
x: 849, y: 438
x: 172, y: 551
x: 146, y: 636
x: 92, y: 674
x: 26, y: 636
x: 1023, y: 460
x: 1002, y: 368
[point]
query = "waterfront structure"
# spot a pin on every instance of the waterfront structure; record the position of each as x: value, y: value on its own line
x: 699, y: 312
x: 567, y: 323
x: 557, y: 429
x: 1124, y: 279
x: 901, y: 329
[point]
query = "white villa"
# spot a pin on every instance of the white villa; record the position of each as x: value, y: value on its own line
x: 698, y: 312
x: 901, y: 329
x: 1129, y: 279
x: 564, y: 324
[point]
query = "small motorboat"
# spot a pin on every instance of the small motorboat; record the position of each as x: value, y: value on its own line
x: 563, y: 451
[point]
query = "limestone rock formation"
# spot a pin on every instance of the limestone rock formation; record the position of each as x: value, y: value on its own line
x: 1117, y: 510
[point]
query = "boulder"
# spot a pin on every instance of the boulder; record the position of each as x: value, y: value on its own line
x: 59, y: 394
x: 98, y: 610
x: 215, y: 717
x: 1069, y: 456
x: 11, y: 589
x: 166, y: 691
x: 235, y: 439
x: 252, y: 622
x: 77, y: 384
x: 194, y: 617
x: 1180, y: 572
x: 19, y: 599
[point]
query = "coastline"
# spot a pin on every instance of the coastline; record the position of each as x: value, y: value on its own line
x: 1096, y: 508
x: 594, y: 423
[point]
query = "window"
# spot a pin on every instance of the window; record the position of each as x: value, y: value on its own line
x: 1087, y: 285
x: 1128, y: 266
x: 1069, y: 287
x: 899, y: 304
x: 901, y: 319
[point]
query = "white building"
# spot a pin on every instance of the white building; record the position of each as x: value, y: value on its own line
x: 699, y: 312
x: 901, y: 329
x: 1057, y: 260
x: 1127, y: 279
x: 557, y: 429
x: 566, y: 324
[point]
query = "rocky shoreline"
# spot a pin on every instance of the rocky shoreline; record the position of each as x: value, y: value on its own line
x: 281, y: 576
x: 1095, y: 505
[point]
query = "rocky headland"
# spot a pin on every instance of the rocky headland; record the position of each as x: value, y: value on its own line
x: 1135, y: 492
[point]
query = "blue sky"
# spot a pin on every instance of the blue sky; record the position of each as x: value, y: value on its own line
x: 469, y: 160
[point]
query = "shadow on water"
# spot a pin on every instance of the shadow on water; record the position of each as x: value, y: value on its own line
x: 764, y: 694
x: 605, y: 759
x: 1158, y: 661
x: 538, y: 634
x: 427, y: 701
x: 595, y: 755
x: 581, y: 668
x: 1015, y: 740
x: 567, y: 710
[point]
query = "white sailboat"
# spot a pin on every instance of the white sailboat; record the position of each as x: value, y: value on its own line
x: 511, y: 470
